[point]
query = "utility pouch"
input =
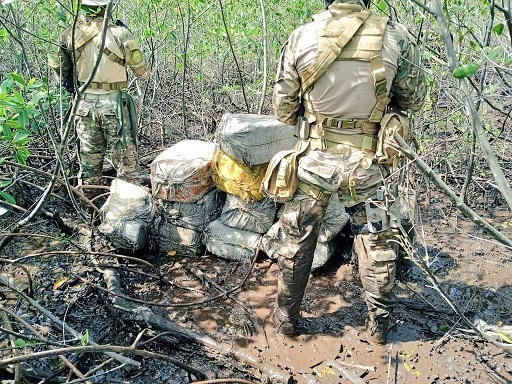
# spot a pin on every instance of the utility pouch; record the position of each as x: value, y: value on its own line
x: 321, y: 169
x: 377, y: 213
x: 302, y: 127
x: 388, y: 150
x: 280, y: 181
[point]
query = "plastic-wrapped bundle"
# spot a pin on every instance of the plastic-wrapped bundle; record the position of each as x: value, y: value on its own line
x: 196, y: 215
x: 230, y: 243
x: 234, y: 177
x: 183, y: 172
x: 254, y: 139
x: 169, y: 237
x: 255, y: 217
x: 127, y: 215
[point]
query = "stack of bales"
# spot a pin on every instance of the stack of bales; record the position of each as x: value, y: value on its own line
x: 246, y: 145
x: 208, y: 194
x: 185, y: 197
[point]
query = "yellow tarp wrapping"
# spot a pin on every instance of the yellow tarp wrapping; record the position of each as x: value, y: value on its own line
x: 234, y: 177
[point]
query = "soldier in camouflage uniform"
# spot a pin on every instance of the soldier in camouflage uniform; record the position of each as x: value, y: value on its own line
x: 344, y: 102
x: 105, y: 119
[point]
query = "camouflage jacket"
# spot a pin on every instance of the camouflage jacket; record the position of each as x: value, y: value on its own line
x: 121, y: 50
x: 346, y: 89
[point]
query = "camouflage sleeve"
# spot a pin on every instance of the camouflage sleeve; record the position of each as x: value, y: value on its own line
x: 285, y: 100
x: 61, y: 62
x: 409, y: 86
x: 134, y: 57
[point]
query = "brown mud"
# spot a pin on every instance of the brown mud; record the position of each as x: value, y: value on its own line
x: 428, y: 342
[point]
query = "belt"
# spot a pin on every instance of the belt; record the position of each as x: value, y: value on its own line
x: 365, y: 142
x: 333, y: 122
x: 100, y: 96
x: 117, y: 86
x: 314, y: 191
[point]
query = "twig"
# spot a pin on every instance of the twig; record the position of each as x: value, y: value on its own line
x: 7, y: 324
x: 107, y: 349
x: 68, y: 363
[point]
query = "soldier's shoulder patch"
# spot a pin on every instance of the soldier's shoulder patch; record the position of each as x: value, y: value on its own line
x: 136, y: 56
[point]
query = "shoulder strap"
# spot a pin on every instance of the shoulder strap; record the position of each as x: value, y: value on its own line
x: 87, y: 34
x: 325, y: 59
x: 379, y: 81
x: 107, y: 52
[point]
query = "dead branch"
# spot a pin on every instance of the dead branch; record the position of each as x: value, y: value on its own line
x: 68, y: 363
x: 61, y: 325
x: 107, y: 349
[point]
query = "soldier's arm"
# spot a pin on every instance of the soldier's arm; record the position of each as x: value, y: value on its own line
x: 134, y: 57
x: 409, y: 87
x: 285, y: 100
x: 61, y: 63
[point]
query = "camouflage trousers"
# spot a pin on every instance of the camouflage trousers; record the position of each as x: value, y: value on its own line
x: 101, y: 139
x: 298, y: 232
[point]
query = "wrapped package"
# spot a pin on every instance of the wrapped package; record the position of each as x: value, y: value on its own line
x: 169, y: 237
x: 234, y: 177
x: 254, y: 139
x: 230, y: 243
x: 252, y: 216
x: 127, y: 215
x: 183, y: 172
x: 196, y: 215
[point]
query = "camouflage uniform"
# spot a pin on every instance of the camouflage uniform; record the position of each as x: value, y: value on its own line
x: 102, y: 119
x: 345, y: 91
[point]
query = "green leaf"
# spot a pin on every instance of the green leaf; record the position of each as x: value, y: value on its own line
x: 465, y: 70
x: 20, y: 342
x: 505, y: 337
x: 11, y: 200
x: 84, y: 340
x: 7, y: 85
x: 18, y: 97
x: 382, y: 5
x: 23, y: 118
x: 60, y: 15
x: 5, y: 183
x: 7, y: 131
x: 22, y: 154
x: 498, y: 29
x: 18, y: 78
x: 444, y: 328
x: 21, y: 139
x: 4, y: 35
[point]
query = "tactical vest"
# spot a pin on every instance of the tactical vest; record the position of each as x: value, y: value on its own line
x: 111, y: 74
x: 364, y: 45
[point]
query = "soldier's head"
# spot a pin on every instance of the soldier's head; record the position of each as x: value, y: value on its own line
x: 365, y: 2
x: 94, y: 7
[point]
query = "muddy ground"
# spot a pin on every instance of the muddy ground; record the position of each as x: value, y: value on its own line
x: 428, y: 342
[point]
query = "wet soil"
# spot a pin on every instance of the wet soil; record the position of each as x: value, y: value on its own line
x: 428, y: 342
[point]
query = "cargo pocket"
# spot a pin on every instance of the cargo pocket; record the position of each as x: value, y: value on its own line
x: 376, y: 264
x: 321, y: 169
x: 83, y: 110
